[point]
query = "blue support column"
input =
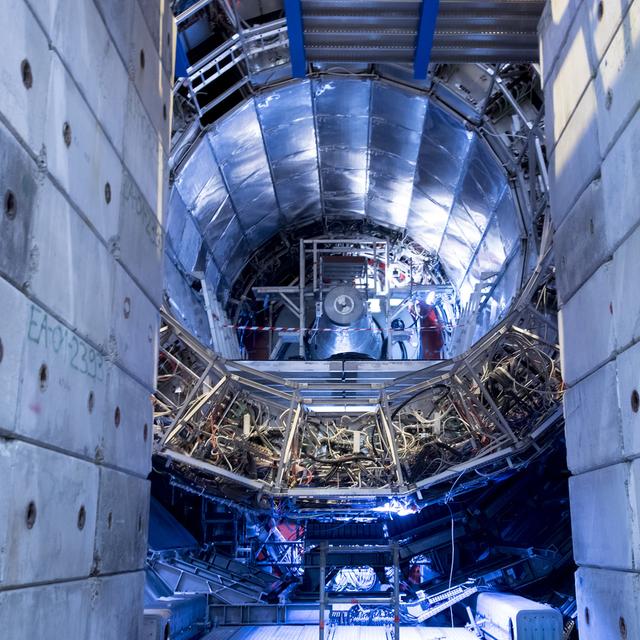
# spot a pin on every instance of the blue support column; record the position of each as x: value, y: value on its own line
x: 426, y: 31
x: 293, y: 11
x: 181, y: 61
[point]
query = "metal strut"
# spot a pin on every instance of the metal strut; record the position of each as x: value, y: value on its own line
x: 426, y: 32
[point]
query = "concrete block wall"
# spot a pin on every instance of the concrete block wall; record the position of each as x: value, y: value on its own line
x: 591, y: 68
x: 85, y: 110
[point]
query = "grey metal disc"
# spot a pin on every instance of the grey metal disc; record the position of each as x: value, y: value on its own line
x: 344, y: 305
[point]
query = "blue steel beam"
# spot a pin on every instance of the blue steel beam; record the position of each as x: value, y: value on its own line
x: 293, y: 11
x: 424, y: 44
x: 181, y: 60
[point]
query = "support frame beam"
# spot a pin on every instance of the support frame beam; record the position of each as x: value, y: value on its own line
x: 426, y: 33
x: 293, y: 11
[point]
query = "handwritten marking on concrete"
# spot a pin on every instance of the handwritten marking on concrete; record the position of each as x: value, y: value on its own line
x: 48, y: 333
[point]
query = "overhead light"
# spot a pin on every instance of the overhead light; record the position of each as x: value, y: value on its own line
x: 342, y: 408
x: 398, y: 507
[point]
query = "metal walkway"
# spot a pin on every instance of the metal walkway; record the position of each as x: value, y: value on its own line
x: 320, y: 381
x: 225, y: 579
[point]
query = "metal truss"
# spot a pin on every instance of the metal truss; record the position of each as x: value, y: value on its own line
x: 348, y: 438
x: 336, y: 437
x: 243, y: 52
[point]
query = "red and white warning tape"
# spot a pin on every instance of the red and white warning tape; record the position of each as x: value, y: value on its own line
x: 296, y: 330
x: 319, y: 330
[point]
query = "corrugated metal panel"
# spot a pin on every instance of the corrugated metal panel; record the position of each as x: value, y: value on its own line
x: 387, y: 31
x: 351, y: 147
x: 292, y: 150
x: 396, y: 130
x: 239, y: 150
x: 342, y: 127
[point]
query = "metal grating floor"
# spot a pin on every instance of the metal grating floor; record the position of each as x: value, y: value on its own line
x: 310, y: 632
